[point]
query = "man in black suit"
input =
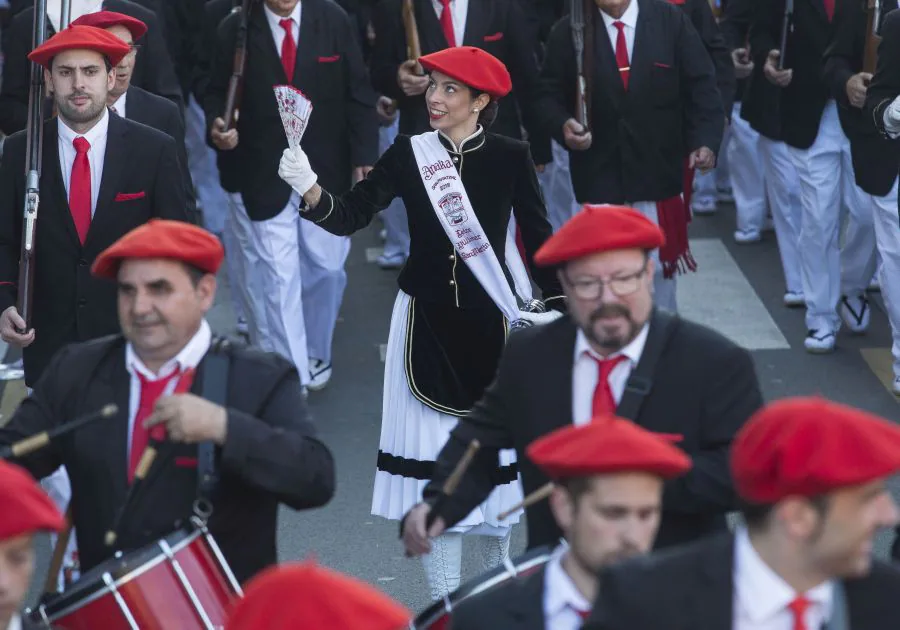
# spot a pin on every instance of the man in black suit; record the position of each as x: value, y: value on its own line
x: 245, y: 423
x: 607, y: 495
x: 615, y: 351
x: 26, y: 510
x: 294, y: 270
x: 91, y: 194
x: 153, y: 71
x: 649, y: 111
x: 813, y: 478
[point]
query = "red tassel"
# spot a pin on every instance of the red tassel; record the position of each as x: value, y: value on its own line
x: 675, y: 254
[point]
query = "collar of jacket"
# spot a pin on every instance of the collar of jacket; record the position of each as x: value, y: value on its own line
x: 469, y: 144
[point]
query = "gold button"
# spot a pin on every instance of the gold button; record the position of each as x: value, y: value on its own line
x: 452, y: 283
x: 452, y: 256
x: 456, y: 159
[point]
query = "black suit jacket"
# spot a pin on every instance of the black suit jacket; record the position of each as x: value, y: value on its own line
x: 163, y: 115
x: 343, y: 128
x: 640, y: 137
x: 516, y: 605
x: 271, y: 454
x: 802, y: 102
x: 69, y: 303
x: 735, y: 26
x: 499, y: 27
x: 701, y: 16
x: 703, y: 387
x: 153, y: 69
x: 875, y: 158
x: 692, y: 589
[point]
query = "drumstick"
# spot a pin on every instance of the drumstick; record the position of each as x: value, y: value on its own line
x: 140, y: 473
x: 538, y: 495
x: 59, y: 553
x: 42, y: 439
x: 452, y: 483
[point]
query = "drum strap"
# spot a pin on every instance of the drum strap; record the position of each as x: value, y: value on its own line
x: 662, y: 325
x: 216, y: 366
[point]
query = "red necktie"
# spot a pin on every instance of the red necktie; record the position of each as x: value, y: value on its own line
x: 447, y: 23
x: 622, y: 54
x: 604, y: 401
x: 150, y: 393
x: 80, y: 188
x: 829, y: 9
x: 288, y: 49
x: 798, y: 608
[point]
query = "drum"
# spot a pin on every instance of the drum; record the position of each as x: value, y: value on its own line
x: 181, y: 581
x: 437, y: 616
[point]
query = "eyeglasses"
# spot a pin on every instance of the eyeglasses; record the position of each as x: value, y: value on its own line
x: 592, y: 288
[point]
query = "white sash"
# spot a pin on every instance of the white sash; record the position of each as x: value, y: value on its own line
x: 454, y: 212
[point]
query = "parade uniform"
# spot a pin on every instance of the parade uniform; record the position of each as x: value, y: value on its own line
x: 270, y: 456
x: 294, y: 272
x: 548, y: 598
x: 679, y: 377
x: 658, y: 106
x: 793, y: 448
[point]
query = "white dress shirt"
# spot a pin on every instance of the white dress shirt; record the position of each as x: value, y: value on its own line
x: 15, y: 623
x: 562, y: 600
x: 275, y: 26
x: 459, y: 11
x: 96, y: 137
x: 189, y: 358
x: 761, y: 597
x: 629, y: 19
x: 119, y: 105
x: 585, y: 373
x: 78, y: 9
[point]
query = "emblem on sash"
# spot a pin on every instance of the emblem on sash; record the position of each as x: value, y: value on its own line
x: 451, y: 205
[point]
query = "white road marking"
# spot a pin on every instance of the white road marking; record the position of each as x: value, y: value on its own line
x: 382, y: 351
x: 372, y: 254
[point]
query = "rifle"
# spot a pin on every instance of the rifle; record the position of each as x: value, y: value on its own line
x: 873, y: 35
x: 786, y: 27
x: 33, y: 157
x: 236, y: 82
x: 65, y: 17
x: 576, y: 23
x: 413, y: 48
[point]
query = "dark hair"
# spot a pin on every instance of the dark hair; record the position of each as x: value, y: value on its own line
x: 757, y: 515
x: 106, y: 61
x: 195, y: 273
x: 488, y: 115
x: 577, y: 487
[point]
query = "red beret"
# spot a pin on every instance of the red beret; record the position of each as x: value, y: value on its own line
x: 305, y: 595
x: 811, y: 446
x: 77, y: 38
x: 607, y: 445
x: 24, y: 506
x: 106, y: 19
x: 600, y: 229
x: 472, y: 66
x: 160, y: 238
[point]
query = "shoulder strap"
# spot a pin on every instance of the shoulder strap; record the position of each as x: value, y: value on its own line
x: 662, y: 325
x: 214, y: 388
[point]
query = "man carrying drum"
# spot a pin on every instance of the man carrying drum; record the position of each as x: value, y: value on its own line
x: 258, y: 442
x: 607, y: 500
x: 24, y: 510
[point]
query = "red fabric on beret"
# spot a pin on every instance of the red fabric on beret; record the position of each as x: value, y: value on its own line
x: 472, y: 66
x: 607, y: 445
x: 600, y: 229
x: 811, y: 446
x: 161, y: 238
x: 106, y: 19
x: 78, y: 38
x: 305, y: 595
x: 24, y: 506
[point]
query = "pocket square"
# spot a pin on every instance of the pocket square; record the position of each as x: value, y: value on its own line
x: 331, y: 59
x: 496, y: 37
x: 662, y: 65
x: 186, y: 462
x: 130, y: 196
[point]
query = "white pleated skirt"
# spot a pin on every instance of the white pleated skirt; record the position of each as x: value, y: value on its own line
x: 412, y: 430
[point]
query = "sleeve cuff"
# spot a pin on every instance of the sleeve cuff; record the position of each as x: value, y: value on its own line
x: 891, y: 127
x: 320, y: 212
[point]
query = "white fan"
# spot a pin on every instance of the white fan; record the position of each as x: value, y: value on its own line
x: 295, y: 110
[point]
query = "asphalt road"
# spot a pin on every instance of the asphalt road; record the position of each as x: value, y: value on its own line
x: 738, y: 290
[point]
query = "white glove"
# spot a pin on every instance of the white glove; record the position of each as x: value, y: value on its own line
x: 294, y: 168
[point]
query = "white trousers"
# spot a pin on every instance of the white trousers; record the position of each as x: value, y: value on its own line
x: 556, y: 184
x: 887, y: 238
x: 246, y: 287
x: 394, y: 216
x: 827, y: 189
x: 664, y: 289
x: 783, y: 192
x: 707, y: 185
x: 746, y: 173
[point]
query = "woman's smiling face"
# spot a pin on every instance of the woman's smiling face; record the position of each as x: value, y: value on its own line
x: 449, y: 102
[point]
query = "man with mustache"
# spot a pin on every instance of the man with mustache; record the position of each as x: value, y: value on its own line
x: 614, y: 353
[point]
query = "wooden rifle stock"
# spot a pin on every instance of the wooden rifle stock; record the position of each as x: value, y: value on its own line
x: 33, y: 157
x: 873, y: 35
x: 786, y: 27
x: 576, y: 22
x: 236, y: 82
x: 413, y: 48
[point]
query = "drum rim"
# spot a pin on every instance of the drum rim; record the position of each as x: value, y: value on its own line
x: 105, y: 589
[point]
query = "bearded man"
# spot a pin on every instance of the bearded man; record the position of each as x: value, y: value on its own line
x: 614, y: 353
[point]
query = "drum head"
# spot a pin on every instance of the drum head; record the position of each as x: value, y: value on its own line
x: 124, y: 567
x: 437, y: 616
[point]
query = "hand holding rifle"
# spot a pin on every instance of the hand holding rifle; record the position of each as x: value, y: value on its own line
x: 776, y: 75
